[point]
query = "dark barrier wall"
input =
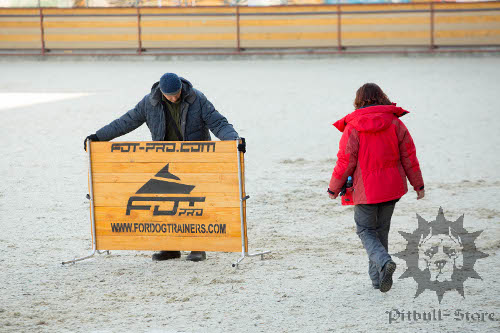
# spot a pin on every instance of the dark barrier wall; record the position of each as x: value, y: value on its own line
x: 330, y: 26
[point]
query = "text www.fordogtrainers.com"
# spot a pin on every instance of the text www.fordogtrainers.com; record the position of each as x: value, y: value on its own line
x: 186, y: 228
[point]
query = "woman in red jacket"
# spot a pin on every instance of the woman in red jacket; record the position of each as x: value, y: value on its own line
x: 377, y: 150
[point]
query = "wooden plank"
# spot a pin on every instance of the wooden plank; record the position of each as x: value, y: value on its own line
x: 89, y: 24
x: 384, y: 34
x: 116, y: 199
x: 476, y: 19
x: 110, y: 167
x: 90, y: 11
x: 482, y: 5
x: 165, y: 147
x: 383, y: 7
x: 105, y: 44
x: 286, y: 9
x: 468, y: 33
x: 164, y: 157
x: 19, y: 11
x: 292, y: 21
x: 288, y: 36
x: 183, y: 44
x: 159, y: 243
x: 193, y: 228
x: 186, y: 178
x: 75, y: 38
x: 371, y: 20
x: 32, y: 24
x: 242, y: 158
x: 192, y: 23
x: 191, y: 10
x: 210, y: 215
x: 190, y: 30
x: 189, y: 37
x: 19, y: 38
x: 132, y: 188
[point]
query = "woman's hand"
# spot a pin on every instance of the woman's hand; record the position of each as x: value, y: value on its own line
x: 420, y: 194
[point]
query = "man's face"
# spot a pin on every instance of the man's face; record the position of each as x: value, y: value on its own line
x: 173, y: 98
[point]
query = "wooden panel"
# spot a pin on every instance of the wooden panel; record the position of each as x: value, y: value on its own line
x: 374, y: 29
x: 165, y: 146
x: 166, y: 195
x: 188, y: 228
x: 286, y: 9
x: 210, y: 215
x: 116, y: 199
x: 189, y: 31
x: 192, y: 10
x: 207, y: 178
x: 384, y: 7
x: 19, y: 11
x: 70, y: 32
x: 471, y: 5
x: 109, y: 167
x: 260, y: 27
x: 288, y: 30
x: 201, y: 187
x: 20, y: 32
x: 159, y: 243
x: 467, y: 28
x: 169, y: 157
x: 89, y: 11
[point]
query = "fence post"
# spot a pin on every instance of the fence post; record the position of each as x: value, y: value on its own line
x: 339, y: 28
x: 238, y: 45
x: 432, y: 46
x: 42, y: 34
x: 139, y: 34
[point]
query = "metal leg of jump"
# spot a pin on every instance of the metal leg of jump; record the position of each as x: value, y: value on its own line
x: 91, y: 198
x: 244, y: 253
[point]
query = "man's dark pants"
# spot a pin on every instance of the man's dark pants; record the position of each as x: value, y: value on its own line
x: 372, y: 226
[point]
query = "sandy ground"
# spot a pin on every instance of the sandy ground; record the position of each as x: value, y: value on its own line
x: 316, y: 278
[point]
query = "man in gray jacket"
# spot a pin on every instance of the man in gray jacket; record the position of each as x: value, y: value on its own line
x: 173, y: 111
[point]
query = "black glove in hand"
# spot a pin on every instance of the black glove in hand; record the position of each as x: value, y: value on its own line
x: 242, y: 146
x: 91, y: 137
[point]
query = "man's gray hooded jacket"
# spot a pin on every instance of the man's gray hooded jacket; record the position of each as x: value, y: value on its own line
x: 198, y: 115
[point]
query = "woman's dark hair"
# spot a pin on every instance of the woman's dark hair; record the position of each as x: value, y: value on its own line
x: 370, y: 94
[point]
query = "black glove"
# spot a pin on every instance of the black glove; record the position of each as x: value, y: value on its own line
x: 242, y: 146
x: 91, y: 137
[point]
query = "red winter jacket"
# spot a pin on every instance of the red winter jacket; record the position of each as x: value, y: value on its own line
x: 377, y: 150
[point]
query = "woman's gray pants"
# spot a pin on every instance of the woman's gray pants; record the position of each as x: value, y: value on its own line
x: 372, y: 226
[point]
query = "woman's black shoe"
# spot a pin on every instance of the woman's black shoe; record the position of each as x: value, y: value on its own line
x: 386, y: 276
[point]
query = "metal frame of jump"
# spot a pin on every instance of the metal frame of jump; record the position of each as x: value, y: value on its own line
x: 244, y: 252
x: 92, y: 218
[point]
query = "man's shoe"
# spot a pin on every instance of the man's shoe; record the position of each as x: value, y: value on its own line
x: 197, y: 256
x: 166, y: 255
x: 375, y: 286
x: 386, y: 276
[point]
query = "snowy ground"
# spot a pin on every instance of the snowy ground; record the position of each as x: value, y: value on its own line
x: 316, y: 279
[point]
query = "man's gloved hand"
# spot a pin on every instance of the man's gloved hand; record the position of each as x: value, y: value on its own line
x: 242, y: 146
x: 92, y: 137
